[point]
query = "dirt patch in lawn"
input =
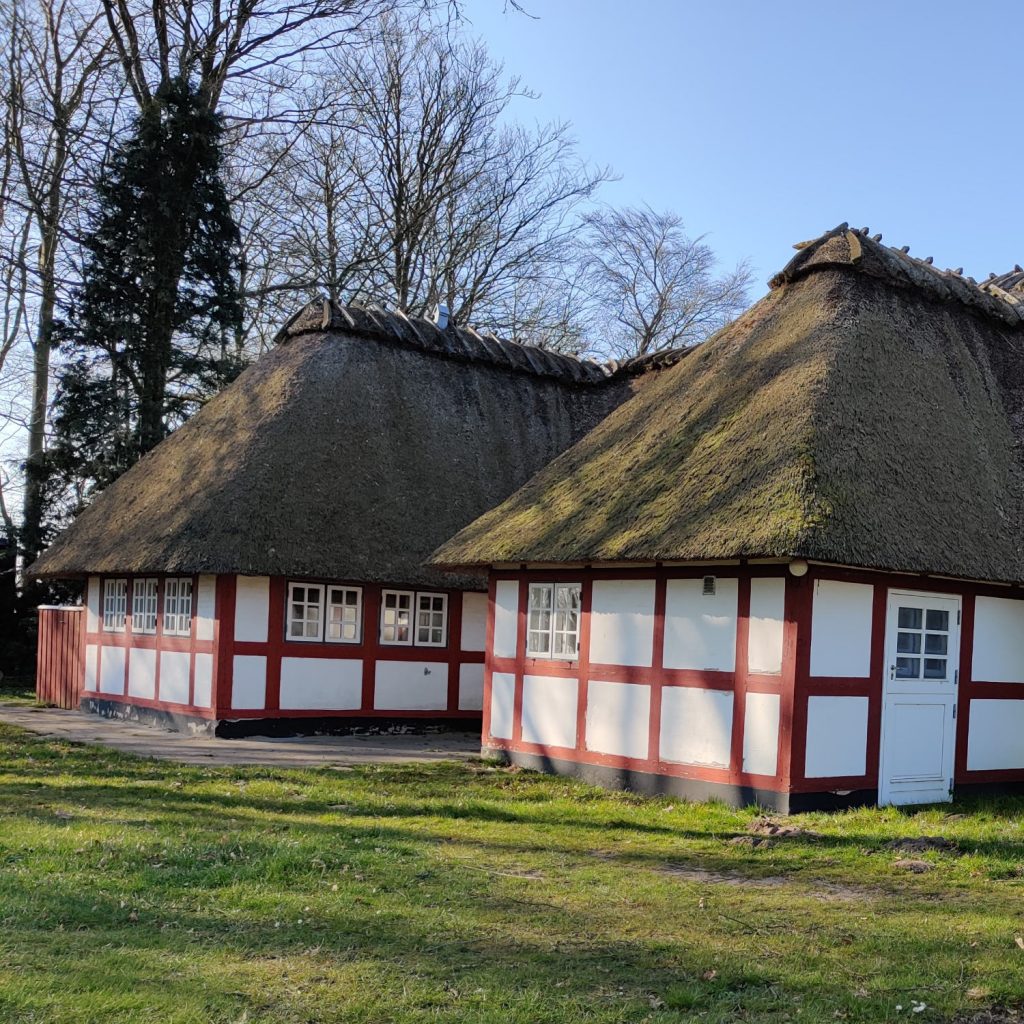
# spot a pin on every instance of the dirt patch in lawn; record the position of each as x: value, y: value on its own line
x: 821, y: 890
x: 923, y: 844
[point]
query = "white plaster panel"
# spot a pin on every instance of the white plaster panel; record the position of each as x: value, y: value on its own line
x: 841, y: 629
x: 503, y: 694
x: 92, y: 605
x: 995, y: 736
x: 622, y: 622
x: 506, y: 618
x: 767, y: 617
x: 112, y: 670
x: 92, y: 653
x: 471, y: 687
x: 328, y: 684
x: 174, y: 669
x: 249, y: 682
x: 998, y: 655
x: 696, y: 726
x: 411, y: 686
x: 761, y: 733
x: 700, y: 631
x: 618, y: 718
x: 142, y: 673
x: 202, y: 687
x: 837, y: 736
x: 252, y: 609
x: 549, y: 711
x: 474, y: 621
x: 205, y: 601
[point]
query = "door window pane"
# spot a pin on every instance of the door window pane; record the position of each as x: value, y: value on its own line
x: 910, y: 618
x: 935, y: 668
x: 908, y: 668
x: 935, y: 643
x: 937, y: 619
x: 908, y: 643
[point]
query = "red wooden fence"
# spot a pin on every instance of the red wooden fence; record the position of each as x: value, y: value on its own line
x: 60, y: 656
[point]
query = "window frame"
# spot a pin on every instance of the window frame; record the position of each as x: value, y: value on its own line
x: 177, y: 598
x: 150, y: 603
x: 384, y: 594
x: 430, y: 595
x: 552, y: 588
x: 414, y: 614
x: 329, y: 604
x: 111, y: 600
x: 321, y: 589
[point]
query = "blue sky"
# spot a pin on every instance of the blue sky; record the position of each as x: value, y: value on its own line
x: 766, y: 123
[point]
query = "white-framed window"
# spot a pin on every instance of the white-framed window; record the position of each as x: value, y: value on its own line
x: 344, y: 614
x: 144, y: 605
x: 305, y: 612
x: 431, y: 620
x: 396, y: 617
x: 553, y: 621
x: 115, y: 605
x: 178, y: 605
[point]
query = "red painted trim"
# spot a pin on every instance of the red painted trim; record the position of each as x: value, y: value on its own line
x: 224, y: 670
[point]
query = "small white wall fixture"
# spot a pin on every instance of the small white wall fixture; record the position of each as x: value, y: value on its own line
x: 549, y: 711
x: 837, y: 737
x: 618, y: 718
x: 700, y: 629
x: 622, y: 622
x: 506, y: 618
x: 503, y: 693
x: 252, y: 609
x: 696, y: 726
x: 841, y: 629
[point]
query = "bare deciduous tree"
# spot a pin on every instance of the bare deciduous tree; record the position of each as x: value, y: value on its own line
x: 651, y: 286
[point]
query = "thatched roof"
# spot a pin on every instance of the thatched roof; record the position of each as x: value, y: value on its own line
x: 350, y: 451
x: 868, y: 411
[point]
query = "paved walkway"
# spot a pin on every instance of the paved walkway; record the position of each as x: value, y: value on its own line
x: 298, y: 751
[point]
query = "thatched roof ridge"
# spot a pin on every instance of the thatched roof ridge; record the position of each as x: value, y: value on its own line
x: 868, y: 411
x: 464, y: 344
x: 349, y: 451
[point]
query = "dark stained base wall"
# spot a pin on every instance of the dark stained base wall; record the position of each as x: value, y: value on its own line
x: 650, y: 784
x: 173, y: 720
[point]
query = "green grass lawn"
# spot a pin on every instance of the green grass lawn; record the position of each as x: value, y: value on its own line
x: 18, y: 694
x: 133, y: 891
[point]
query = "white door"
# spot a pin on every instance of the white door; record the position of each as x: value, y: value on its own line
x: 922, y: 657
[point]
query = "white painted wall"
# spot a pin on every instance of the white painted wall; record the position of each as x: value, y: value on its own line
x: 841, y: 629
x: 206, y: 593
x: 696, y: 726
x: 471, y: 687
x: 252, y: 609
x: 330, y: 684
x: 549, y: 711
x: 474, y: 621
x: 92, y: 653
x: 700, y: 632
x: 503, y: 692
x: 622, y: 622
x: 92, y: 605
x: 411, y: 686
x: 998, y: 655
x: 767, y: 619
x: 506, y: 618
x: 202, y: 689
x: 142, y: 673
x: 995, y: 735
x: 618, y: 718
x: 112, y: 670
x: 249, y: 683
x: 837, y: 736
x: 761, y: 733
x: 174, y: 667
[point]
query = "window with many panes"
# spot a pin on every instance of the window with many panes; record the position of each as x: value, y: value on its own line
x: 922, y: 643
x: 144, y: 605
x: 553, y: 620
x: 344, y: 614
x: 409, y: 618
x: 178, y: 605
x: 115, y: 605
x: 305, y: 611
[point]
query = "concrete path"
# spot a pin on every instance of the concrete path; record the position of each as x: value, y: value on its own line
x: 299, y: 751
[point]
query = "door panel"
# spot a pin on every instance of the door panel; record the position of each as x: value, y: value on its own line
x: 919, y: 698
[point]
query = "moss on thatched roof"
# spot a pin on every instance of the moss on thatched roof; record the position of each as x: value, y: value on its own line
x: 868, y: 411
x: 350, y: 451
